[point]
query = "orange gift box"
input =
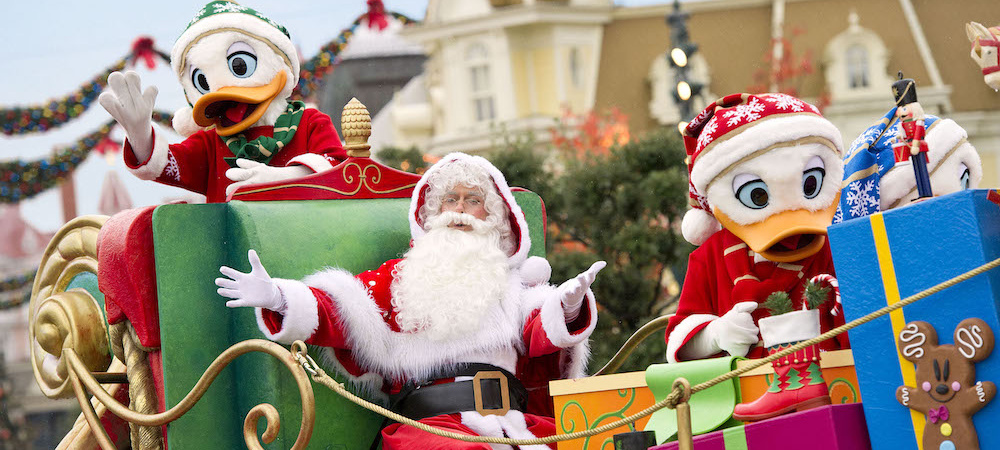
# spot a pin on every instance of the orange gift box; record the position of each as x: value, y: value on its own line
x: 587, y: 403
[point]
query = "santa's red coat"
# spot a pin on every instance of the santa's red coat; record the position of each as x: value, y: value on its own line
x: 197, y: 163
x: 722, y: 272
x: 353, y: 317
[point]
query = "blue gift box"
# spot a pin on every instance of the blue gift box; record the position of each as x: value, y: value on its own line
x: 889, y: 256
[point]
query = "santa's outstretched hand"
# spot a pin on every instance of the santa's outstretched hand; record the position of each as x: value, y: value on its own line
x: 572, y: 292
x: 133, y: 109
x: 255, y: 289
x: 249, y: 171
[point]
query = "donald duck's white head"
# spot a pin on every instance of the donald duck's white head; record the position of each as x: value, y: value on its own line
x: 766, y: 167
x: 238, y: 69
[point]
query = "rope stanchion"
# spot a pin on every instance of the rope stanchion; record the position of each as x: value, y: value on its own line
x: 680, y: 393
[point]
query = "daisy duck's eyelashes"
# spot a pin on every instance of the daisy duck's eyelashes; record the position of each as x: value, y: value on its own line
x: 812, y: 177
x: 751, y: 191
x: 241, y: 59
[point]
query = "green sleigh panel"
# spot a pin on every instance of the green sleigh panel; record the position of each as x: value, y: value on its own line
x: 293, y: 239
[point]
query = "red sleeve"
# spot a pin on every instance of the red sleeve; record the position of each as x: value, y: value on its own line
x: 188, y: 162
x: 537, y: 342
x: 322, y: 138
x: 329, y: 333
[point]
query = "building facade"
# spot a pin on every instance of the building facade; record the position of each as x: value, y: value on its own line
x: 508, y: 65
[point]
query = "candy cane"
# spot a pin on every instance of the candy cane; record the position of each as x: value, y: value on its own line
x: 832, y: 281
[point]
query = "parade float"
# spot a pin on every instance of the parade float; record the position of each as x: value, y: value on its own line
x: 124, y: 319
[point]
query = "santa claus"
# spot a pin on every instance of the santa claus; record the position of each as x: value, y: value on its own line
x: 464, y: 310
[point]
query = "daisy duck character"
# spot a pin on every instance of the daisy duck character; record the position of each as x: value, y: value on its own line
x: 238, y: 69
x: 765, y: 174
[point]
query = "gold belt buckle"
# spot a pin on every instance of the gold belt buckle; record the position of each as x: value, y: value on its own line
x: 477, y: 389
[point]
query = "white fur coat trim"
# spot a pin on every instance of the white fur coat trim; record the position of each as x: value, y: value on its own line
x: 157, y: 160
x: 722, y: 154
x: 521, y: 225
x: 554, y: 321
x: 681, y: 332
x: 313, y: 161
x: 301, y: 318
x: 512, y: 423
x: 413, y: 355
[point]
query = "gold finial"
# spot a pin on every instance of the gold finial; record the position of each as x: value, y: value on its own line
x: 356, y: 124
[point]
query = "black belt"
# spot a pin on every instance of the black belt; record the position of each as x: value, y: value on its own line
x: 492, y: 390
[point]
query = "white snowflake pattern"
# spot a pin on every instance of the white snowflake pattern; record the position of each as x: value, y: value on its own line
x: 172, y: 170
x: 229, y: 7
x: 863, y: 199
x: 706, y: 133
x: 839, y: 215
x: 268, y: 20
x: 785, y: 102
x: 744, y: 113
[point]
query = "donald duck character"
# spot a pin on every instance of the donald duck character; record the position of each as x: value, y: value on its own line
x: 238, y: 69
x: 765, y: 174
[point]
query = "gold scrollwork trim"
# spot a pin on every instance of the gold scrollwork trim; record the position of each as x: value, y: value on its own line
x: 362, y: 175
x: 83, y: 382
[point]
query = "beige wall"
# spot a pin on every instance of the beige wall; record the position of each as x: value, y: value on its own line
x: 733, y: 37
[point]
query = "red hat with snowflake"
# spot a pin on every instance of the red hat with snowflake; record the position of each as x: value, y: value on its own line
x: 734, y: 129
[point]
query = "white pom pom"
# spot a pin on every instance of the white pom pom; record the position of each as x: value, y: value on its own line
x: 183, y: 122
x: 698, y: 226
x: 535, y: 271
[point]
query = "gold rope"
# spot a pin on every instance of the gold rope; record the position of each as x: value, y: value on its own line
x: 671, y: 401
x: 140, y: 388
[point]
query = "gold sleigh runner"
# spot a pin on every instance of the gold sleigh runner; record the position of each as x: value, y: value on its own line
x: 72, y: 357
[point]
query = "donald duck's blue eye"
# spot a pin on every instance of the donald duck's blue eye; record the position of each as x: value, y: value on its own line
x: 200, y: 81
x: 242, y: 64
x: 963, y: 179
x: 812, y: 181
x: 753, y: 194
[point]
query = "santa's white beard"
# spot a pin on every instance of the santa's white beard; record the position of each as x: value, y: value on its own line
x: 449, y: 279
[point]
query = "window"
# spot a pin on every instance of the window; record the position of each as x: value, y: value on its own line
x: 477, y: 60
x: 575, y: 71
x: 857, y: 66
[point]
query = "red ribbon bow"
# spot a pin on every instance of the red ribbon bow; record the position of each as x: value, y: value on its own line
x: 142, y: 49
x: 938, y: 414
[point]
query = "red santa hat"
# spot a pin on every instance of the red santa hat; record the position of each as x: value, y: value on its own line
x: 518, y: 223
x: 735, y: 128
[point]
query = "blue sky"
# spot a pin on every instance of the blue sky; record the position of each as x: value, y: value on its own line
x: 49, y: 52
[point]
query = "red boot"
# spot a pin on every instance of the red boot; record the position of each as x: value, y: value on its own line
x: 798, y: 383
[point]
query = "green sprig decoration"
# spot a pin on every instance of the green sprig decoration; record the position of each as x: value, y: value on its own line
x: 815, y: 295
x: 778, y: 303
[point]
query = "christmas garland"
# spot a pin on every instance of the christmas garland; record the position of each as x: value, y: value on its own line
x: 40, y: 118
x: 16, y: 290
x: 313, y: 70
x: 20, y: 180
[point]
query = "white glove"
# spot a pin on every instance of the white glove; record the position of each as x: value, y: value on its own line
x: 572, y: 292
x: 255, y: 289
x: 132, y: 110
x: 253, y: 172
x: 735, y: 331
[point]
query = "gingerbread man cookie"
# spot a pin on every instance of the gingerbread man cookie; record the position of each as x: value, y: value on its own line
x: 947, y: 391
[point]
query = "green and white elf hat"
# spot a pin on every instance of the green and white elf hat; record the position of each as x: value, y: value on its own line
x: 220, y: 16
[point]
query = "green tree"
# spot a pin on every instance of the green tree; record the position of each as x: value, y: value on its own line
x: 794, y: 379
x: 624, y: 207
x: 408, y: 160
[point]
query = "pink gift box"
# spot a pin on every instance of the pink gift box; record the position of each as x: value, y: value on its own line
x: 833, y: 427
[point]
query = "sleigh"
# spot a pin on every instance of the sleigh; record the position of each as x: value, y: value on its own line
x: 129, y: 303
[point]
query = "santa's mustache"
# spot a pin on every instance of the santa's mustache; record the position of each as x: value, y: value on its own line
x: 446, y: 218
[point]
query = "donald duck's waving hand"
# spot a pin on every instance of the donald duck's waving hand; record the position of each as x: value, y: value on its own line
x: 238, y: 69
